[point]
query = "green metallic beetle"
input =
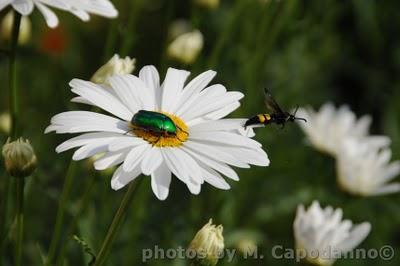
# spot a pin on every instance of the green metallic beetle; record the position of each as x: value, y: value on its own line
x: 155, y: 123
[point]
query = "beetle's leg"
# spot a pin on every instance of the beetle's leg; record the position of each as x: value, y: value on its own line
x: 182, y: 130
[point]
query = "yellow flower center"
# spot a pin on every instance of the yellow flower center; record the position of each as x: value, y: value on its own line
x: 164, y: 139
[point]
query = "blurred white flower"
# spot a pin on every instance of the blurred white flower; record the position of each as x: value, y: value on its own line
x: 186, y: 47
x: 322, y: 236
x: 115, y: 65
x: 179, y: 27
x: 25, y: 28
x: 327, y: 128
x: 5, y: 122
x: 80, y: 8
x: 211, y: 4
x: 208, y: 244
x: 203, y: 144
x: 365, y: 169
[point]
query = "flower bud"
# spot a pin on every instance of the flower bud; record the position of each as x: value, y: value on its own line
x: 115, y: 65
x: 247, y: 247
x: 25, y: 28
x: 5, y: 123
x: 211, y: 4
x: 19, y: 156
x: 208, y: 245
x: 186, y: 47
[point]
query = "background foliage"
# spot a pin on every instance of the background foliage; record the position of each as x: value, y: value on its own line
x: 306, y: 52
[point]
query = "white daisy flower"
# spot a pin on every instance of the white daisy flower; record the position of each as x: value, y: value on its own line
x: 327, y: 128
x: 196, y: 145
x: 80, y: 8
x: 365, y: 169
x: 322, y: 236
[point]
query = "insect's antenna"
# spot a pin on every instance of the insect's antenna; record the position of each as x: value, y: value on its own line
x: 295, y: 111
x: 300, y: 118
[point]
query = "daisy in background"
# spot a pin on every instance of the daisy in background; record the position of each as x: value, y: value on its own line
x: 202, y: 148
x: 323, y: 236
x: 365, y: 169
x: 80, y: 8
x: 327, y: 128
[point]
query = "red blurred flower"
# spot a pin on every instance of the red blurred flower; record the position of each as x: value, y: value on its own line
x: 54, y: 41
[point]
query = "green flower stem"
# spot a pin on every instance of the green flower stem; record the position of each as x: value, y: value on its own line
x: 116, y: 223
x: 19, y: 220
x: 13, y: 75
x: 84, y: 202
x: 60, y: 212
x: 13, y: 103
x: 128, y: 41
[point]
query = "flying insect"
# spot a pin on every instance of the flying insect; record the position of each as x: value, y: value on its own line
x: 277, y: 115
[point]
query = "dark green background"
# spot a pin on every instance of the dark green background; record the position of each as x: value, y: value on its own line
x: 306, y: 52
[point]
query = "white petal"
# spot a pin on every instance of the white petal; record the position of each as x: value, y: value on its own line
x: 357, y: 235
x: 228, y: 138
x: 24, y: 7
x: 193, y: 88
x: 172, y: 88
x: 151, y: 160
x: 223, y: 111
x: 82, y: 14
x: 99, y: 7
x: 121, y: 178
x: 386, y: 189
x: 218, y: 125
x: 160, y: 181
x: 391, y: 171
x: 219, y: 166
x: 85, y: 139
x: 4, y: 3
x: 83, y: 121
x: 149, y: 75
x: 101, y: 98
x: 213, y: 178
x: 192, y: 171
x: 49, y: 16
x: 89, y: 150
x: 110, y: 159
x: 60, y: 4
x: 80, y: 99
x: 251, y: 156
x: 215, y: 153
x: 175, y: 165
x: 211, y: 105
x: 198, y: 100
x: 126, y: 93
x: 124, y: 142
x: 135, y: 156
x: 141, y: 92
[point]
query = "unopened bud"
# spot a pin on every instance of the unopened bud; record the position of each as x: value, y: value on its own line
x: 19, y: 157
x: 186, y: 47
x: 208, y: 244
x: 25, y: 28
x: 211, y: 4
x: 115, y: 65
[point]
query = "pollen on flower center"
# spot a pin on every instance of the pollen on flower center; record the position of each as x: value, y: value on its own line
x: 158, y: 135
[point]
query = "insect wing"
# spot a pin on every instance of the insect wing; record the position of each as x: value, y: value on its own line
x: 270, y: 103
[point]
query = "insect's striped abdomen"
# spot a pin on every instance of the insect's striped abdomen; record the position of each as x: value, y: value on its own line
x: 258, y: 119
